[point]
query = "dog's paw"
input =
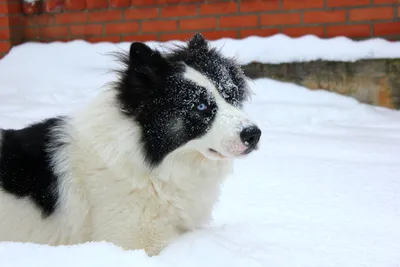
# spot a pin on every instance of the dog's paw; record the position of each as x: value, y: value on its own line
x: 154, y: 250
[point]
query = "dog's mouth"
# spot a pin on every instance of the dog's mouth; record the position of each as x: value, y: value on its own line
x: 216, y: 153
x: 221, y: 156
x: 249, y: 150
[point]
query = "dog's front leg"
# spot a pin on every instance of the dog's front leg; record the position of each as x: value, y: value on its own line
x: 158, y: 238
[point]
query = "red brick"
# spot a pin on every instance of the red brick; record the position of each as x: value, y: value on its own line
x: 362, y: 30
x: 387, y: 28
x: 179, y: 11
x: 53, y: 6
x: 31, y: 8
x: 302, y: 4
x: 99, y: 39
x: 213, y: 35
x: 324, y: 16
x: 43, y: 19
x: 14, y: 7
x: 140, y: 38
x: 49, y: 39
x: 342, y: 3
x: 198, y: 24
x: 75, y: 4
x: 258, y: 5
x: 371, y: 13
x: 53, y: 31
x: 238, y: 21
x: 168, y: 2
x: 141, y: 13
x: 160, y: 2
x: 398, y: 11
x: 67, y: 18
x: 5, y: 47
x: 258, y: 32
x: 3, y: 8
x: 280, y: 19
x: 159, y: 26
x: 176, y: 36
x: 143, y: 2
x: 122, y: 27
x: 192, y: 1
x: 4, y: 34
x: 15, y: 21
x: 301, y: 31
x: 218, y: 8
x: 84, y: 30
x: 120, y: 3
x: 386, y: 1
x: 96, y: 4
x: 3, y: 21
x: 102, y: 16
x: 17, y: 40
x: 30, y: 33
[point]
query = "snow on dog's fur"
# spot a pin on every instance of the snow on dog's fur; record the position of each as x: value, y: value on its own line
x: 140, y: 164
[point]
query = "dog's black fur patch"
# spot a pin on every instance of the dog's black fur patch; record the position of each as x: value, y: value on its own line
x: 25, y: 167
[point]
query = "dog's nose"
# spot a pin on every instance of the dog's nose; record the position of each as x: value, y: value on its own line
x: 250, y: 136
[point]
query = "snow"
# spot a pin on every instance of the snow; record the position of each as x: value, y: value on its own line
x: 323, y: 190
x: 280, y: 48
x: 31, y: 1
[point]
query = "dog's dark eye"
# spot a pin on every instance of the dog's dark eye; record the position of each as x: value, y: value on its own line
x: 201, y: 107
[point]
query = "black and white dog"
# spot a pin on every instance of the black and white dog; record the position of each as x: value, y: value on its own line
x: 141, y: 164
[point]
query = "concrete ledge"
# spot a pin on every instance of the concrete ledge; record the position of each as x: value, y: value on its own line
x: 372, y: 81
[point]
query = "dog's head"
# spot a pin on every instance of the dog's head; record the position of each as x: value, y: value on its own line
x: 190, y: 98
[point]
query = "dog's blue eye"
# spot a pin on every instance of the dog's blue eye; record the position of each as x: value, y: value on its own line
x: 202, y: 107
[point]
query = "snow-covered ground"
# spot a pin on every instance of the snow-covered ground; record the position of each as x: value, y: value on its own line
x: 323, y: 190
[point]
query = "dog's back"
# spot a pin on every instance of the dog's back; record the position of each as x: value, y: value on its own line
x: 30, y: 205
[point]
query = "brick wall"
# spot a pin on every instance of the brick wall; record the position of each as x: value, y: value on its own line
x: 127, y: 20
x: 4, y: 30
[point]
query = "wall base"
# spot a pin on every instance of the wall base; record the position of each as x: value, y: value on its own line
x: 371, y: 81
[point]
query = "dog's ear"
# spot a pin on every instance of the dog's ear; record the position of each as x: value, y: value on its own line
x: 198, y: 43
x: 147, y: 65
x: 143, y: 79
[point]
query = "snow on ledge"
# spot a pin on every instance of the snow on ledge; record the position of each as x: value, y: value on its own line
x: 278, y: 48
x: 281, y: 49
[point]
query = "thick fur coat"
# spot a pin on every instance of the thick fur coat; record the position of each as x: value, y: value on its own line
x: 141, y: 164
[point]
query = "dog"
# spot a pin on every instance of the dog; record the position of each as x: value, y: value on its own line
x: 139, y: 165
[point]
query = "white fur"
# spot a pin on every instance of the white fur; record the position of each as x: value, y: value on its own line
x: 224, y: 136
x: 108, y: 193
